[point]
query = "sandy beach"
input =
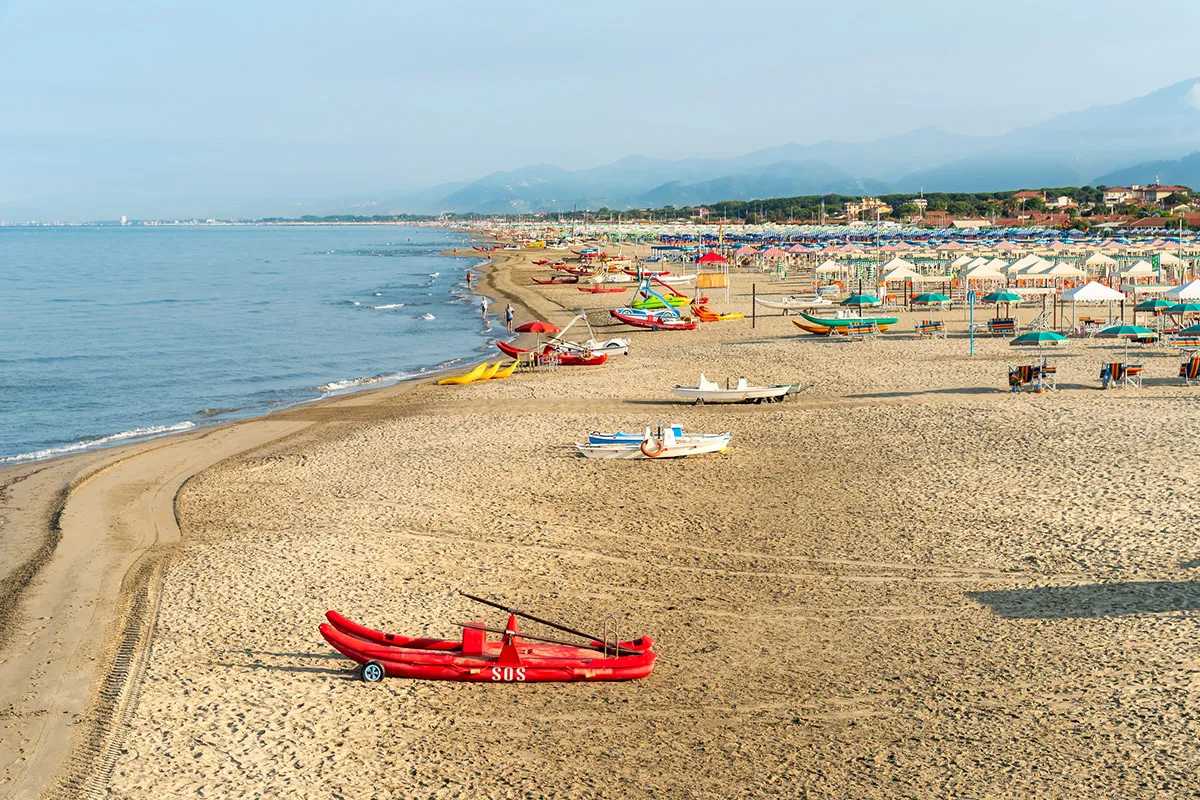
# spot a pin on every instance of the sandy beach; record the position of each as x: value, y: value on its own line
x: 906, y: 582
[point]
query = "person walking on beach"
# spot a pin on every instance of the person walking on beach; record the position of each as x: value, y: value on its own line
x: 508, y: 316
x: 483, y: 304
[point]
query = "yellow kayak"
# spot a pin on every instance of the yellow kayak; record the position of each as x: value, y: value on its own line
x: 504, y: 373
x: 459, y: 380
x: 490, y: 372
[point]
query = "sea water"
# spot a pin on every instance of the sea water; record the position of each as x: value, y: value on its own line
x: 109, y: 334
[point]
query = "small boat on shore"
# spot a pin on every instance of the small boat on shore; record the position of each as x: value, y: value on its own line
x: 652, y: 320
x: 516, y: 658
x: 557, y: 279
x: 651, y: 446
x: 710, y: 392
x: 604, y: 289
x: 567, y: 357
x: 845, y: 322
x: 793, y: 303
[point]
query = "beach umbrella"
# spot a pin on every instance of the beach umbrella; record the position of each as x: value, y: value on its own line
x: 1184, y: 308
x: 712, y: 258
x: 1002, y: 296
x: 861, y: 300
x: 1191, y: 330
x: 1156, y: 305
x: 538, y: 327
x: 1126, y: 332
x: 930, y: 299
x: 1039, y: 339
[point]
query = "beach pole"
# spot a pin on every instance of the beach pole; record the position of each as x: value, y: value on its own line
x: 753, y: 305
x: 971, y: 319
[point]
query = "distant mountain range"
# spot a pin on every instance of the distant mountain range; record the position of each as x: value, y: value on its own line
x: 1130, y: 142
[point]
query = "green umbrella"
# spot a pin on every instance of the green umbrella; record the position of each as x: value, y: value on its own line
x: 929, y: 299
x: 1039, y: 339
x: 1126, y: 332
x: 861, y: 300
x: 1008, y: 298
x: 1184, y: 308
x: 1157, y: 305
x: 1191, y: 330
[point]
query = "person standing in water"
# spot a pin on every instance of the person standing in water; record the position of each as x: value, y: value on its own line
x: 508, y: 316
x: 468, y: 279
x: 483, y: 304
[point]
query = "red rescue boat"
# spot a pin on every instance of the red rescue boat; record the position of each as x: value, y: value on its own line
x: 514, y: 658
x: 567, y: 358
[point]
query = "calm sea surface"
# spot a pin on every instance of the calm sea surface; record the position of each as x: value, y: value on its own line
x: 108, y: 334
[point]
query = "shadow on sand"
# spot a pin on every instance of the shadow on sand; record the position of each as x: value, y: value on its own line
x: 1093, y: 600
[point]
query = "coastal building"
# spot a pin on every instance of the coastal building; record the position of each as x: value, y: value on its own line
x: 1115, y: 195
x: 866, y: 208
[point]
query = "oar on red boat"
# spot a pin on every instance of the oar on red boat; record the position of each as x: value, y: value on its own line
x: 516, y: 612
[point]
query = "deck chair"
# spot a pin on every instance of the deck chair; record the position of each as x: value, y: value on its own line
x: 1189, y: 370
x: 1186, y: 341
x: 1112, y: 375
x: 930, y: 328
x: 998, y: 327
x: 1046, y: 375
x: 861, y: 330
x: 1039, y: 323
x: 1133, y: 376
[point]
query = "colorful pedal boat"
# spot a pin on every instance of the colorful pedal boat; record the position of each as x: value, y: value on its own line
x: 660, y: 321
x: 474, y: 658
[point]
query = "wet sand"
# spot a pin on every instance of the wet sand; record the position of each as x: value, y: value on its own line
x: 905, y: 583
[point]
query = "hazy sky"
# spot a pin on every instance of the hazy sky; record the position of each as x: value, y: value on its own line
x: 193, y: 108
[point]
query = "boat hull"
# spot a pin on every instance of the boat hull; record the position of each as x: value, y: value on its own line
x: 537, y: 665
x: 845, y: 322
x: 825, y: 330
x: 676, y: 449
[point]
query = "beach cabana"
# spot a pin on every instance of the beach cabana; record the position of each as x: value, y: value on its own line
x: 1188, y: 291
x: 1092, y: 292
x: 712, y: 257
x: 1139, y: 269
x: 983, y: 272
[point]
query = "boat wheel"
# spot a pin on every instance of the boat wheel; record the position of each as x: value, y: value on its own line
x: 371, y: 672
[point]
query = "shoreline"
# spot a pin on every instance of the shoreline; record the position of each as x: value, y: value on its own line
x: 135, y: 436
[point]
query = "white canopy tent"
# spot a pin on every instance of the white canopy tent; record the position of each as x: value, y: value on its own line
x: 1092, y: 292
x: 1098, y: 259
x: 961, y: 261
x: 1189, y: 291
x: 983, y: 272
x: 829, y: 267
x: 897, y: 264
x: 1140, y: 269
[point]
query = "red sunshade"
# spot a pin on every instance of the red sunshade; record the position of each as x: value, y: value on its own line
x: 538, y: 327
x: 711, y: 258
